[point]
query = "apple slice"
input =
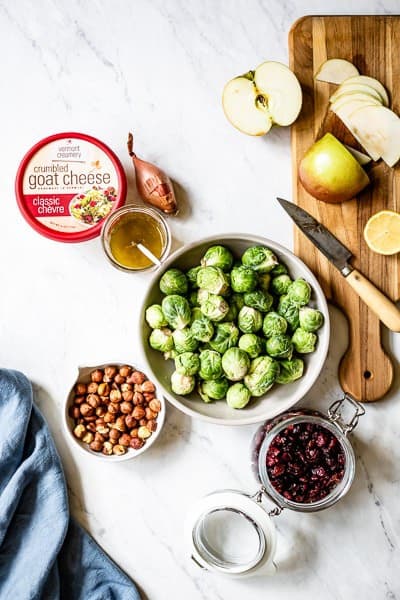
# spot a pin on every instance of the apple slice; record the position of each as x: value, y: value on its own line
x: 380, y: 128
x: 356, y: 88
x: 244, y: 109
x: 336, y: 70
x: 367, y: 144
x: 354, y: 97
x: 281, y: 89
x: 372, y: 82
x: 362, y: 158
x: 345, y: 109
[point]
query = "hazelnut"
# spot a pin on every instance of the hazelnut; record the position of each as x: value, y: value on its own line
x: 126, y: 387
x: 138, y: 398
x: 96, y: 446
x: 137, y: 387
x: 119, y: 379
x: 103, y: 389
x: 102, y: 429
x: 143, y: 422
x: 88, y: 437
x: 113, y: 408
x: 80, y: 389
x: 110, y: 372
x: 137, y: 377
x: 148, y: 386
x: 138, y: 412
x: 125, y: 371
x: 155, y: 405
x: 79, y: 431
x: 79, y: 399
x: 114, y: 435
x: 86, y: 409
x: 151, y: 425
x: 148, y: 396
x: 93, y: 400
x: 100, y: 421
x: 74, y: 412
x: 109, y: 418
x: 134, y: 433
x: 150, y: 414
x: 89, y: 419
x: 81, y: 421
x: 97, y: 376
x: 118, y: 450
x: 126, y: 407
x: 107, y: 448
x: 124, y: 440
x: 120, y: 424
x: 144, y: 433
x: 99, y: 438
x: 101, y: 411
x: 115, y: 396
x: 130, y: 421
x: 91, y: 427
x: 136, y: 443
x: 92, y: 387
x: 127, y: 396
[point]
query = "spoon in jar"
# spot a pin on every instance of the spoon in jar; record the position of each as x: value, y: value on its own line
x: 146, y: 252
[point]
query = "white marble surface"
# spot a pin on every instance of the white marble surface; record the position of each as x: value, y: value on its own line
x: 157, y: 66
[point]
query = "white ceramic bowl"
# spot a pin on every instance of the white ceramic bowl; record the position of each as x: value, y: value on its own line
x: 84, y: 377
x: 280, y: 397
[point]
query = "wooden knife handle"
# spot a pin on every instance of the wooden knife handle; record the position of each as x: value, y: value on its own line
x: 386, y: 310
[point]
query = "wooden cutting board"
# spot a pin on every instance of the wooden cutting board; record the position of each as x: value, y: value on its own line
x: 372, y: 44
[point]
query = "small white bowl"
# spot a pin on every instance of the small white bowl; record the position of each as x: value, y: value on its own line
x: 84, y: 377
x: 280, y: 397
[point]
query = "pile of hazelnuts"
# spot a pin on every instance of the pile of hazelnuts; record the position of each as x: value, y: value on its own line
x: 117, y: 410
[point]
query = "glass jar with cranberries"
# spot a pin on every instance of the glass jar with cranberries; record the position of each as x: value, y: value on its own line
x: 304, y: 459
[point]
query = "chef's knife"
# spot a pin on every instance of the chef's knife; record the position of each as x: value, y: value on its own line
x: 339, y: 256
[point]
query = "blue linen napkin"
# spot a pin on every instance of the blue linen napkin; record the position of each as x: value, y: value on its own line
x: 44, y: 555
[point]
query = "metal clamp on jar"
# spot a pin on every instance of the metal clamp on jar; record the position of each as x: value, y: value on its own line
x: 304, y: 461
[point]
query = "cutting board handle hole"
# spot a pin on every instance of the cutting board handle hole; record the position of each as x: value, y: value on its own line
x: 368, y: 375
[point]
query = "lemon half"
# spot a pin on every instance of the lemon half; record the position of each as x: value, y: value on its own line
x: 382, y: 232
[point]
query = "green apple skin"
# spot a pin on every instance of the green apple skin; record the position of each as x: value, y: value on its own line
x: 329, y: 172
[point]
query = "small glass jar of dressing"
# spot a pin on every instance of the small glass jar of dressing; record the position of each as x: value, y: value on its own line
x: 129, y: 232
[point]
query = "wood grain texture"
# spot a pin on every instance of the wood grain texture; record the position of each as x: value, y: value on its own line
x: 369, y: 42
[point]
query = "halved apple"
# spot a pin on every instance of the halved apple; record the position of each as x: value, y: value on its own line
x: 336, y: 70
x: 329, y: 172
x: 380, y: 128
x: 356, y: 88
x: 270, y: 95
x: 360, y: 157
x: 372, y: 82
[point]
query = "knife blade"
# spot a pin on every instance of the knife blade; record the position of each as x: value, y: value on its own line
x: 320, y: 236
x: 339, y: 256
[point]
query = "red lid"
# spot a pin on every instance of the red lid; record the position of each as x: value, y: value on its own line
x: 67, y: 184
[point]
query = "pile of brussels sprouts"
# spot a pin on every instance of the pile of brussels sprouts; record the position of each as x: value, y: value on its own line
x: 234, y: 328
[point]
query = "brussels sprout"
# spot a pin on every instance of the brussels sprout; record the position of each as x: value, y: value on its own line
x: 252, y: 344
x: 304, y: 341
x: 262, y: 375
x: 173, y: 282
x: 311, y: 319
x: 187, y: 363
x: 213, y: 389
x: 243, y: 279
x: 279, y: 269
x: 260, y: 258
x: 264, y: 280
x: 232, y: 313
x: 155, y: 317
x: 299, y: 292
x: 280, y: 284
x: 202, y: 296
x: 177, y: 311
x: 289, y: 310
x: 161, y: 339
x: 218, y: 256
x: 170, y: 354
x: 202, y: 329
x: 237, y: 300
x: 182, y: 384
x: 184, y: 341
x: 235, y: 363
x: 260, y: 300
x: 279, y: 346
x: 238, y: 396
x: 226, y: 336
x: 274, y: 324
x: 290, y: 370
x: 196, y: 314
x: 212, y: 279
x: 191, y: 276
x: 193, y: 300
x: 210, y: 365
x: 215, y: 308
x: 249, y: 320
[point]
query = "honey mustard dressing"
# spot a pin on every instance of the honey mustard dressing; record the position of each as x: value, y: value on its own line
x: 131, y: 229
